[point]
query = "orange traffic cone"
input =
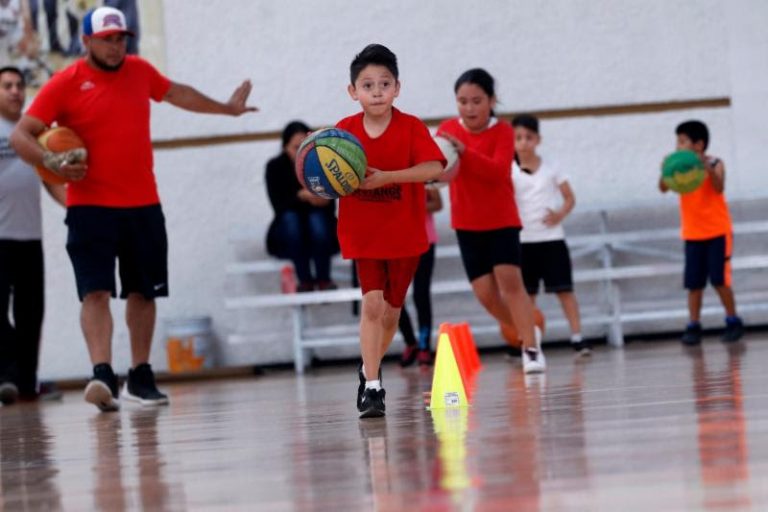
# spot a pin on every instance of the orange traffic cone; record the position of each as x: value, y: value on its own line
x: 465, y: 332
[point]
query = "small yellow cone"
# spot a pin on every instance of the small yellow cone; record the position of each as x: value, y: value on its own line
x: 447, y: 386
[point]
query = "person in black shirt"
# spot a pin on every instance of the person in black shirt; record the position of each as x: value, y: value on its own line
x: 304, y: 227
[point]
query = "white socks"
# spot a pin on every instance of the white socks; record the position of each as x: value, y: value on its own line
x: 373, y: 384
x: 576, y: 337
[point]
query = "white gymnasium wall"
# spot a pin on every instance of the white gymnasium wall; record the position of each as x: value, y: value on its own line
x: 557, y: 54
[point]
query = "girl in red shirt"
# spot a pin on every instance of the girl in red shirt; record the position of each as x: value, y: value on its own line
x: 484, y: 213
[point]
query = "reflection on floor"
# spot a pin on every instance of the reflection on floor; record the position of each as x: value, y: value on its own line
x: 651, y: 427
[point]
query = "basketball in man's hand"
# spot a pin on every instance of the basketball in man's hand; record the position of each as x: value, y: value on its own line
x: 331, y: 163
x: 59, y: 140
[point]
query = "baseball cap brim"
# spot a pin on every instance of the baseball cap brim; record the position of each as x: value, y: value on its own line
x: 105, y: 33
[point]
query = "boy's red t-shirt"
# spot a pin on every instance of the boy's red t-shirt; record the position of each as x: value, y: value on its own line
x: 482, y: 194
x: 388, y: 222
x: 110, y: 111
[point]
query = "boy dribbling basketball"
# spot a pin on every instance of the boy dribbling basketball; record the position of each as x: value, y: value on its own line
x: 381, y: 226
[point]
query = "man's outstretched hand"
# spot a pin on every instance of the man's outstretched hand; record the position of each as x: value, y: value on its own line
x: 238, y: 101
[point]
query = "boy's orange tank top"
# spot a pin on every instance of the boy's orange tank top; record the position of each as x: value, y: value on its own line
x: 704, y: 213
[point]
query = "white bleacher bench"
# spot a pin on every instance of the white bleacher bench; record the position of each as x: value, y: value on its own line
x: 578, y: 245
x: 605, y: 244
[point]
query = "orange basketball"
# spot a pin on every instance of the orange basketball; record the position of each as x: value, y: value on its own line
x: 57, y: 140
x: 509, y: 332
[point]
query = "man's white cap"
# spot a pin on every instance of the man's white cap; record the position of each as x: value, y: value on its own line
x: 103, y: 21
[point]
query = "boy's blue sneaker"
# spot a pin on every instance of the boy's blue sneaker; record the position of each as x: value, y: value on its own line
x: 692, y: 334
x: 734, y: 329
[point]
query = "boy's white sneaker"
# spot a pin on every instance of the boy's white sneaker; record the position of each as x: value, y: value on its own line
x: 533, y: 361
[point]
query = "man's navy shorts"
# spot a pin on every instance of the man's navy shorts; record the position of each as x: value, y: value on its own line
x: 134, y: 237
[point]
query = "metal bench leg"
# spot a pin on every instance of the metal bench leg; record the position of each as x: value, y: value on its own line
x: 615, y: 332
x: 298, y: 330
x: 613, y: 294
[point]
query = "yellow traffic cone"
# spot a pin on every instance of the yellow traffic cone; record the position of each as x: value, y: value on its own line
x: 447, y: 385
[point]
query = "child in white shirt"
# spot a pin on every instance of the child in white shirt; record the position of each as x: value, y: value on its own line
x: 544, y: 198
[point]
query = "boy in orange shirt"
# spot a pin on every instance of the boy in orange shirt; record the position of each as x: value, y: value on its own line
x: 707, y: 232
x: 382, y: 225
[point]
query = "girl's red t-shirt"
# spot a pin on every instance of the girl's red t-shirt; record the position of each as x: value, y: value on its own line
x: 482, y: 194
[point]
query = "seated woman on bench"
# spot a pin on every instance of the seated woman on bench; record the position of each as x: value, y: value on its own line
x: 304, y: 227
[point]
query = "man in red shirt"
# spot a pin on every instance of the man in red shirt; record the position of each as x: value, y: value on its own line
x: 382, y: 225
x: 113, y: 209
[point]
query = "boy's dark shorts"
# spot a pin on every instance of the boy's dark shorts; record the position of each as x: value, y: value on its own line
x: 483, y: 250
x: 549, y: 262
x: 708, y: 259
x: 392, y: 277
x: 135, y: 237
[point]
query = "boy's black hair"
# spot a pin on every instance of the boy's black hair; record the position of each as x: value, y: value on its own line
x: 292, y: 129
x: 694, y: 130
x: 528, y: 121
x: 376, y: 54
x: 14, y: 69
x: 479, y: 77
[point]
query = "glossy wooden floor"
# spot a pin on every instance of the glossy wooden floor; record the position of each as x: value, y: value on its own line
x: 651, y: 428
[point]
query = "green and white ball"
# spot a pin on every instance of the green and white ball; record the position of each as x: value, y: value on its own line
x: 683, y: 171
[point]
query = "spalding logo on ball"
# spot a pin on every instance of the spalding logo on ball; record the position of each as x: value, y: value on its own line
x: 683, y: 171
x: 331, y: 163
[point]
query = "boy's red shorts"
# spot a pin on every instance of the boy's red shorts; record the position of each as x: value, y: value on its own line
x: 391, y: 276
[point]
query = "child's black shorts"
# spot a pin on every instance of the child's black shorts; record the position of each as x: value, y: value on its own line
x: 707, y: 259
x: 483, y: 250
x: 135, y: 236
x: 549, y: 262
